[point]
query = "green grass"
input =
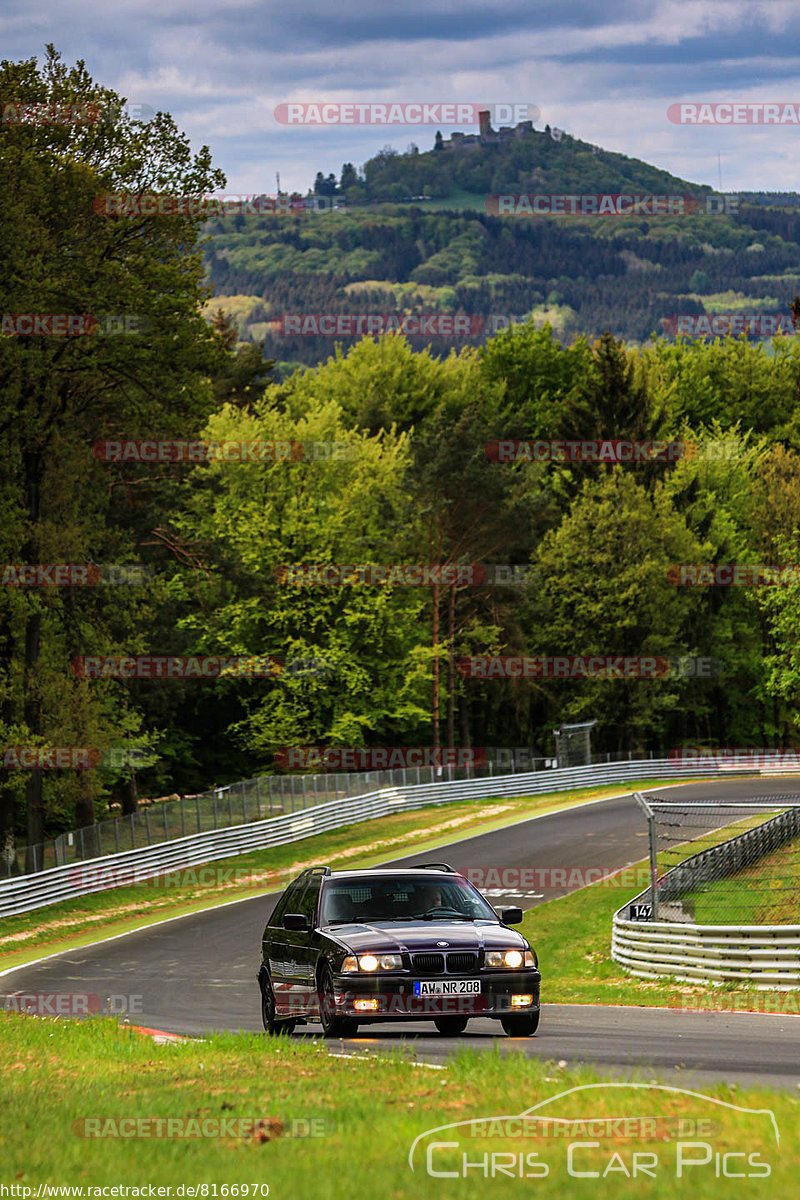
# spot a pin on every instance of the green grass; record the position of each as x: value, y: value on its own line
x: 366, y: 1113
x: 85, y: 919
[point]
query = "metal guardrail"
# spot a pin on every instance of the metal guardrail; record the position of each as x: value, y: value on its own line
x: 766, y: 956
x: 24, y: 893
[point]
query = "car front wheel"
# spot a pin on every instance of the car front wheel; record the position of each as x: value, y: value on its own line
x: 521, y: 1026
x: 271, y: 1025
x: 332, y: 1026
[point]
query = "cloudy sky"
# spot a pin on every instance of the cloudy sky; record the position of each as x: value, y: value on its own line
x: 605, y: 72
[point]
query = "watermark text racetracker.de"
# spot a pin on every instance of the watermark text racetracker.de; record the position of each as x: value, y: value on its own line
x: 73, y: 574
x: 737, y: 756
x: 612, y: 204
x: 72, y: 758
x: 734, y: 574
x: 585, y: 666
x: 100, y: 877
x: 202, y: 207
x: 71, y: 1004
x: 197, y: 666
x: 376, y: 758
x: 190, y: 1128
x: 757, y: 325
x: 178, y: 450
x: 411, y: 112
x: 370, y: 324
x: 519, y: 881
x: 72, y: 325
x: 594, y: 451
x: 735, y: 112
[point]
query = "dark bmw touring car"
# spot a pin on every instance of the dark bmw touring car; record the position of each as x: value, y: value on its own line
x: 353, y: 947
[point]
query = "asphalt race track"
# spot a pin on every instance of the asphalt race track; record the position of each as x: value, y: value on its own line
x: 198, y: 973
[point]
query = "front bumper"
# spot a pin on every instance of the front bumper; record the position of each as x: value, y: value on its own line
x: 396, y: 1000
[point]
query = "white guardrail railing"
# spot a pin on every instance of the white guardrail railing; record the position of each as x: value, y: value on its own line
x: 24, y: 893
x: 763, y: 956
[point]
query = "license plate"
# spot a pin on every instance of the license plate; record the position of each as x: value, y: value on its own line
x: 447, y: 987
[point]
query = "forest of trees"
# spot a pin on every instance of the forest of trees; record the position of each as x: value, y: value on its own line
x: 407, y: 480
x: 584, y: 275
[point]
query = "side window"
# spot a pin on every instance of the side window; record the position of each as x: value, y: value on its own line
x: 308, y: 903
x: 285, y: 904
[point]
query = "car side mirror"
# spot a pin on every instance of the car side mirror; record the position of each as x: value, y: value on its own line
x: 511, y: 916
x: 297, y: 922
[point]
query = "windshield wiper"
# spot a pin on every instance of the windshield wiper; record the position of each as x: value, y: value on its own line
x: 450, y: 916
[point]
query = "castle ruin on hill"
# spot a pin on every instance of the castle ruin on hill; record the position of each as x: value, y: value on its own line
x: 486, y: 137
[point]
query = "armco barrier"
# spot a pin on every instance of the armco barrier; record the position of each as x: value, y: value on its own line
x: 21, y: 894
x: 766, y: 956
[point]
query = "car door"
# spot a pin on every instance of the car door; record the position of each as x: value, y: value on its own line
x: 302, y: 950
x: 276, y: 949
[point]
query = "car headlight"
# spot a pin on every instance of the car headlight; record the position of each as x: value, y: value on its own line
x: 512, y: 959
x: 372, y: 962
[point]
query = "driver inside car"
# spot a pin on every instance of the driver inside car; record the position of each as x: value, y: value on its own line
x: 431, y: 897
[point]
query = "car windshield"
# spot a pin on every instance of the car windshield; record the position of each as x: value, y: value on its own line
x: 403, y: 898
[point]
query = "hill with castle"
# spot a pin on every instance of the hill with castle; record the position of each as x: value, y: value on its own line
x: 518, y: 158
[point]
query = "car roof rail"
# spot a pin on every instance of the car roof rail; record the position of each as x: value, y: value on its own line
x: 437, y: 866
x: 321, y: 870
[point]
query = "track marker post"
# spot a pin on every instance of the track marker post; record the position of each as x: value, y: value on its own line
x: 651, y: 832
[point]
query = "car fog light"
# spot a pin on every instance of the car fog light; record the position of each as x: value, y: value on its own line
x: 521, y: 1001
x: 366, y: 1005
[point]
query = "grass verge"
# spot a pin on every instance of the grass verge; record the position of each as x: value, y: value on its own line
x: 366, y: 1113
x: 78, y: 922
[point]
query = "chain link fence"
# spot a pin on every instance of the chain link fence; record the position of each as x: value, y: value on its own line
x: 239, y: 803
x: 251, y: 800
x: 724, y: 863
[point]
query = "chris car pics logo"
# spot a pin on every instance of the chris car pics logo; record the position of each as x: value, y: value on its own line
x: 606, y: 1131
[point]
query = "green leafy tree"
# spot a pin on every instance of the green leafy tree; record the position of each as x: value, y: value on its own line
x: 249, y: 524
x: 60, y: 254
x: 600, y: 586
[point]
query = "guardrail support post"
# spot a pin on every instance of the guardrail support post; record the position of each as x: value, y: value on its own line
x: 651, y: 834
x: 651, y: 831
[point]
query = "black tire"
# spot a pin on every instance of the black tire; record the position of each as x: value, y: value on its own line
x: 450, y: 1026
x: 521, y: 1026
x: 271, y: 1025
x: 332, y: 1026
